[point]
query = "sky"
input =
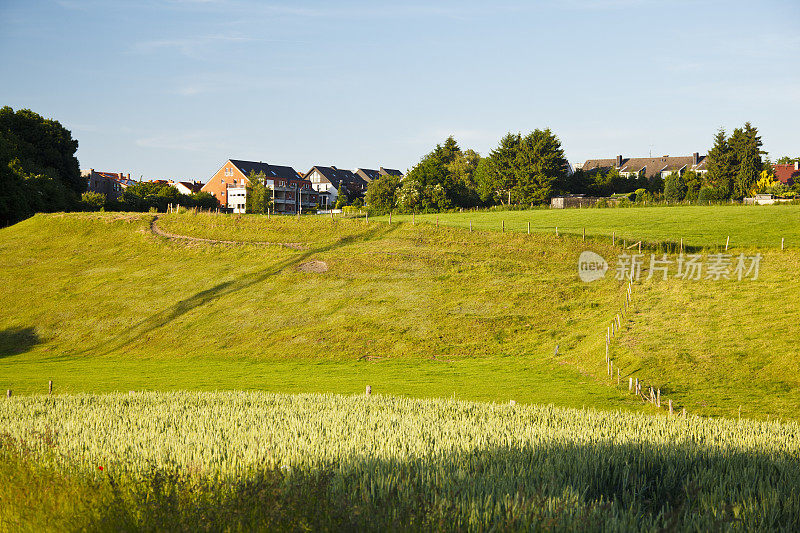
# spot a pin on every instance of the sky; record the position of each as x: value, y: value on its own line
x: 172, y: 89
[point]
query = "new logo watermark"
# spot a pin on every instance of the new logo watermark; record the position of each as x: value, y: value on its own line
x: 692, y: 267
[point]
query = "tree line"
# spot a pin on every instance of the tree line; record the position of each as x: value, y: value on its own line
x: 529, y: 170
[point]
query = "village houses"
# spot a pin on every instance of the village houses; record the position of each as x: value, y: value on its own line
x: 290, y: 192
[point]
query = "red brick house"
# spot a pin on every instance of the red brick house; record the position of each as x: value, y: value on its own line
x: 229, y: 186
x: 788, y: 174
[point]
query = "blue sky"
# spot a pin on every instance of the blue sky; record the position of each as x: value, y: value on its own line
x: 174, y: 88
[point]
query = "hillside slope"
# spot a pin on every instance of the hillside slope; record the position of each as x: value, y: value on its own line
x: 97, y: 302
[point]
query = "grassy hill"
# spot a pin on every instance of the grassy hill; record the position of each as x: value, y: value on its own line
x: 98, y: 303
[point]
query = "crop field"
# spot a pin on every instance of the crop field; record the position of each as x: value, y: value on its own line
x: 698, y: 226
x: 190, y: 460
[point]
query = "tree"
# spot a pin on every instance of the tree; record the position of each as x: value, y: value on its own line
x: 674, y: 188
x: 382, y: 193
x: 745, y: 146
x: 206, y: 200
x: 786, y: 160
x: 342, y: 198
x: 719, y: 164
x: 540, y: 164
x: 38, y: 168
x: 437, y: 187
x: 259, y: 196
x: 504, y: 165
x: 694, y: 182
x: 93, y: 201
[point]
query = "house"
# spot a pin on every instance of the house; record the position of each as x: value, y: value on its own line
x: 290, y: 193
x: 649, y: 167
x: 111, y: 184
x: 368, y: 174
x: 186, y: 187
x: 788, y: 174
x: 327, y: 181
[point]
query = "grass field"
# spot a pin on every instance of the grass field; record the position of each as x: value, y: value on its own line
x: 97, y: 303
x: 698, y: 226
x: 236, y: 461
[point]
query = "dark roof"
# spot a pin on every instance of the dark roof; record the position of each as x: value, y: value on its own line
x: 193, y: 186
x: 390, y: 171
x: 652, y: 166
x: 368, y: 174
x: 270, y: 171
x: 337, y: 176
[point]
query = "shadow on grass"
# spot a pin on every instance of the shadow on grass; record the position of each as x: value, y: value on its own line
x: 17, y: 340
x: 165, y: 317
x: 687, y: 486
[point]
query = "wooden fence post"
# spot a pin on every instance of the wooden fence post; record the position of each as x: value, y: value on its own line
x: 782, y: 238
x: 470, y: 226
x: 390, y: 217
x: 529, y: 228
x: 670, y: 407
x: 369, y: 390
x: 584, y: 234
x: 556, y: 231
x: 630, y: 384
x: 727, y: 242
x: 50, y: 387
x: 413, y: 219
x: 640, y: 246
x: 658, y: 397
x: 613, y: 238
x: 8, y: 393
x: 681, y: 244
x: 504, y: 225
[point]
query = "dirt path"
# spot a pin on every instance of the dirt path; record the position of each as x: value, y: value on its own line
x: 161, y: 233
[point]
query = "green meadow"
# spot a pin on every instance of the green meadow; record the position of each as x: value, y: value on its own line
x: 98, y: 303
x: 698, y: 226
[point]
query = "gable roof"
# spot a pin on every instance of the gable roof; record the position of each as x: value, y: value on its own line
x: 337, y: 176
x: 651, y: 166
x: 118, y: 177
x: 368, y: 174
x: 270, y: 171
x: 193, y: 186
x: 787, y: 174
x: 390, y: 172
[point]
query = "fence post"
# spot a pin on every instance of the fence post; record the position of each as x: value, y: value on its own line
x: 658, y: 397
x: 613, y: 238
x: 504, y: 225
x: 681, y: 244
x: 782, y: 238
x: 630, y: 384
x: 670, y: 407
x: 390, y: 217
x: 470, y: 226
x: 8, y: 393
x: 529, y: 228
x: 556, y: 231
x: 369, y: 390
x: 584, y: 234
x: 727, y: 242
x: 50, y: 387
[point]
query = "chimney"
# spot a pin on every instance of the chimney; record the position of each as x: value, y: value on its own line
x: 797, y: 165
x: 619, y: 161
x: 695, y: 158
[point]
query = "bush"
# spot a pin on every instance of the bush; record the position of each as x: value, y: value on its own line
x: 92, y: 201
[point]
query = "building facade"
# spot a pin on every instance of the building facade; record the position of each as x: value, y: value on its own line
x: 111, y: 184
x: 290, y: 193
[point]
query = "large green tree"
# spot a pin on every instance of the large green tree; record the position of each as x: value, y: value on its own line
x: 720, y: 165
x: 382, y: 193
x: 38, y: 168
